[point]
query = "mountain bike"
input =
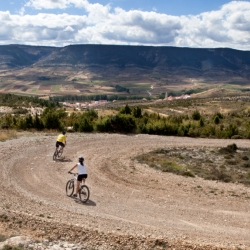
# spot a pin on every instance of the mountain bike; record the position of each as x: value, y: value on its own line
x: 83, y: 190
x: 58, y: 152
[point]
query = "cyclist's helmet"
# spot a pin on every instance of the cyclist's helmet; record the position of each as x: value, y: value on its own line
x: 63, y: 132
x: 81, y: 159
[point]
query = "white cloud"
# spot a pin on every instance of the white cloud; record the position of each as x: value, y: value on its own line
x: 227, y: 27
x: 48, y: 4
x: 63, y: 4
x: 69, y: 28
x: 22, y: 11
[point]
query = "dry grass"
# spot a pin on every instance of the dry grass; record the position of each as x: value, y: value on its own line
x: 226, y: 164
x: 7, y: 135
x: 106, y: 112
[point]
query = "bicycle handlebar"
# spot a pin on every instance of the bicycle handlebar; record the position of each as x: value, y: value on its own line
x: 73, y: 173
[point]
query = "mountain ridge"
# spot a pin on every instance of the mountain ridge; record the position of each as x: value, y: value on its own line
x: 188, y: 61
x: 133, y: 70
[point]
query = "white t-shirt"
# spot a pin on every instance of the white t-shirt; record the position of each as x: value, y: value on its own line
x: 81, y: 168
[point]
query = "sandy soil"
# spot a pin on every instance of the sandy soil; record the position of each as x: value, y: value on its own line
x: 127, y: 198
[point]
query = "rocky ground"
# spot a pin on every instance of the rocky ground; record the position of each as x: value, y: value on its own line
x: 131, y: 206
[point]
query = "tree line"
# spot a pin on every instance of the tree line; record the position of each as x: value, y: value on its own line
x: 87, y: 98
x: 134, y: 120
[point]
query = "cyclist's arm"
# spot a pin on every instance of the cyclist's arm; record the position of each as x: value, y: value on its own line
x: 73, y: 168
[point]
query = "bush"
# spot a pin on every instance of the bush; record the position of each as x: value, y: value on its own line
x: 137, y: 112
x: 229, y: 149
x: 196, y: 115
x: 85, y: 125
x: 51, y: 121
x: 104, y: 125
x: 216, y: 120
x: 201, y: 123
x: 231, y: 130
x: 232, y: 146
x: 125, y: 110
x: 119, y: 123
x: 123, y: 123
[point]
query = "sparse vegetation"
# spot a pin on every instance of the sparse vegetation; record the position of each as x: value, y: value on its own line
x: 3, y: 238
x: 9, y: 247
x: 6, y: 135
x: 194, y: 162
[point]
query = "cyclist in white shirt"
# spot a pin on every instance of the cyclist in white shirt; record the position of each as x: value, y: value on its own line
x: 82, y: 174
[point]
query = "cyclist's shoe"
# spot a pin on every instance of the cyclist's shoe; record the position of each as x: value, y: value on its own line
x: 74, y: 195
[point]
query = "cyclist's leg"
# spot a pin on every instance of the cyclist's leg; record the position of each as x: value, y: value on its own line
x: 85, y: 176
x: 60, y: 145
x: 57, y: 145
x: 77, y: 187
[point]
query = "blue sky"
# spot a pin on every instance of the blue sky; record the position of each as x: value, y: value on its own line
x: 171, y: 7
x: 181, y: 23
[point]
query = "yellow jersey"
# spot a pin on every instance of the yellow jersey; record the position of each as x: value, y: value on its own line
x: 61, y: 138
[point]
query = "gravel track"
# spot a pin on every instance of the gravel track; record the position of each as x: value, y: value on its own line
x: 126, y: 197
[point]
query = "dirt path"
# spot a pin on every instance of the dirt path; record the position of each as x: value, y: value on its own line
x: 127, y: 198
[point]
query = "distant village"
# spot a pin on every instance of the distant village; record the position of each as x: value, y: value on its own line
x: 86, y: 105
x: 170, y: 98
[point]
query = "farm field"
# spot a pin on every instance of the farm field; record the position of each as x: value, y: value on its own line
x: 53, y: 81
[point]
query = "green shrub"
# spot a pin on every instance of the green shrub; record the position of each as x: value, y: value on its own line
x: 216, y: 120
x: 85, y: 125
x: 188, y: 173
x: 201, y: 122
x: 119, y: 123
x: 125, y: 110
x: 196, y: 115
x: 137, y: 112
x: 233, y: 146
x: 231, y: 130
x: 104, y: 125
x: 51, y: 119
x: 229, y: 149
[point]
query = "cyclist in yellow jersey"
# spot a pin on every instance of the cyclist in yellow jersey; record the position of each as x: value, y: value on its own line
x: 61, y: 140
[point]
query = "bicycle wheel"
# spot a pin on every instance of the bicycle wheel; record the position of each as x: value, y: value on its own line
x: 84, y: 193
x: 70, y: 187
x: 55, y: 155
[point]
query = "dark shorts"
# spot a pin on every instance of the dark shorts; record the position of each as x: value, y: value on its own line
x: 82, y: 176
x: 59, y: 143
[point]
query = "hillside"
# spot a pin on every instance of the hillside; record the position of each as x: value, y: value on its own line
x: 97, y: 69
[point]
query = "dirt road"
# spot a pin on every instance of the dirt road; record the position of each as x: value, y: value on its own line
x: 127, y: 199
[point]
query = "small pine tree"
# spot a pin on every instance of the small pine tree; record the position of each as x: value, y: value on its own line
x: 196, y: 115
x: 216, y: 119
x: 202, y: 123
